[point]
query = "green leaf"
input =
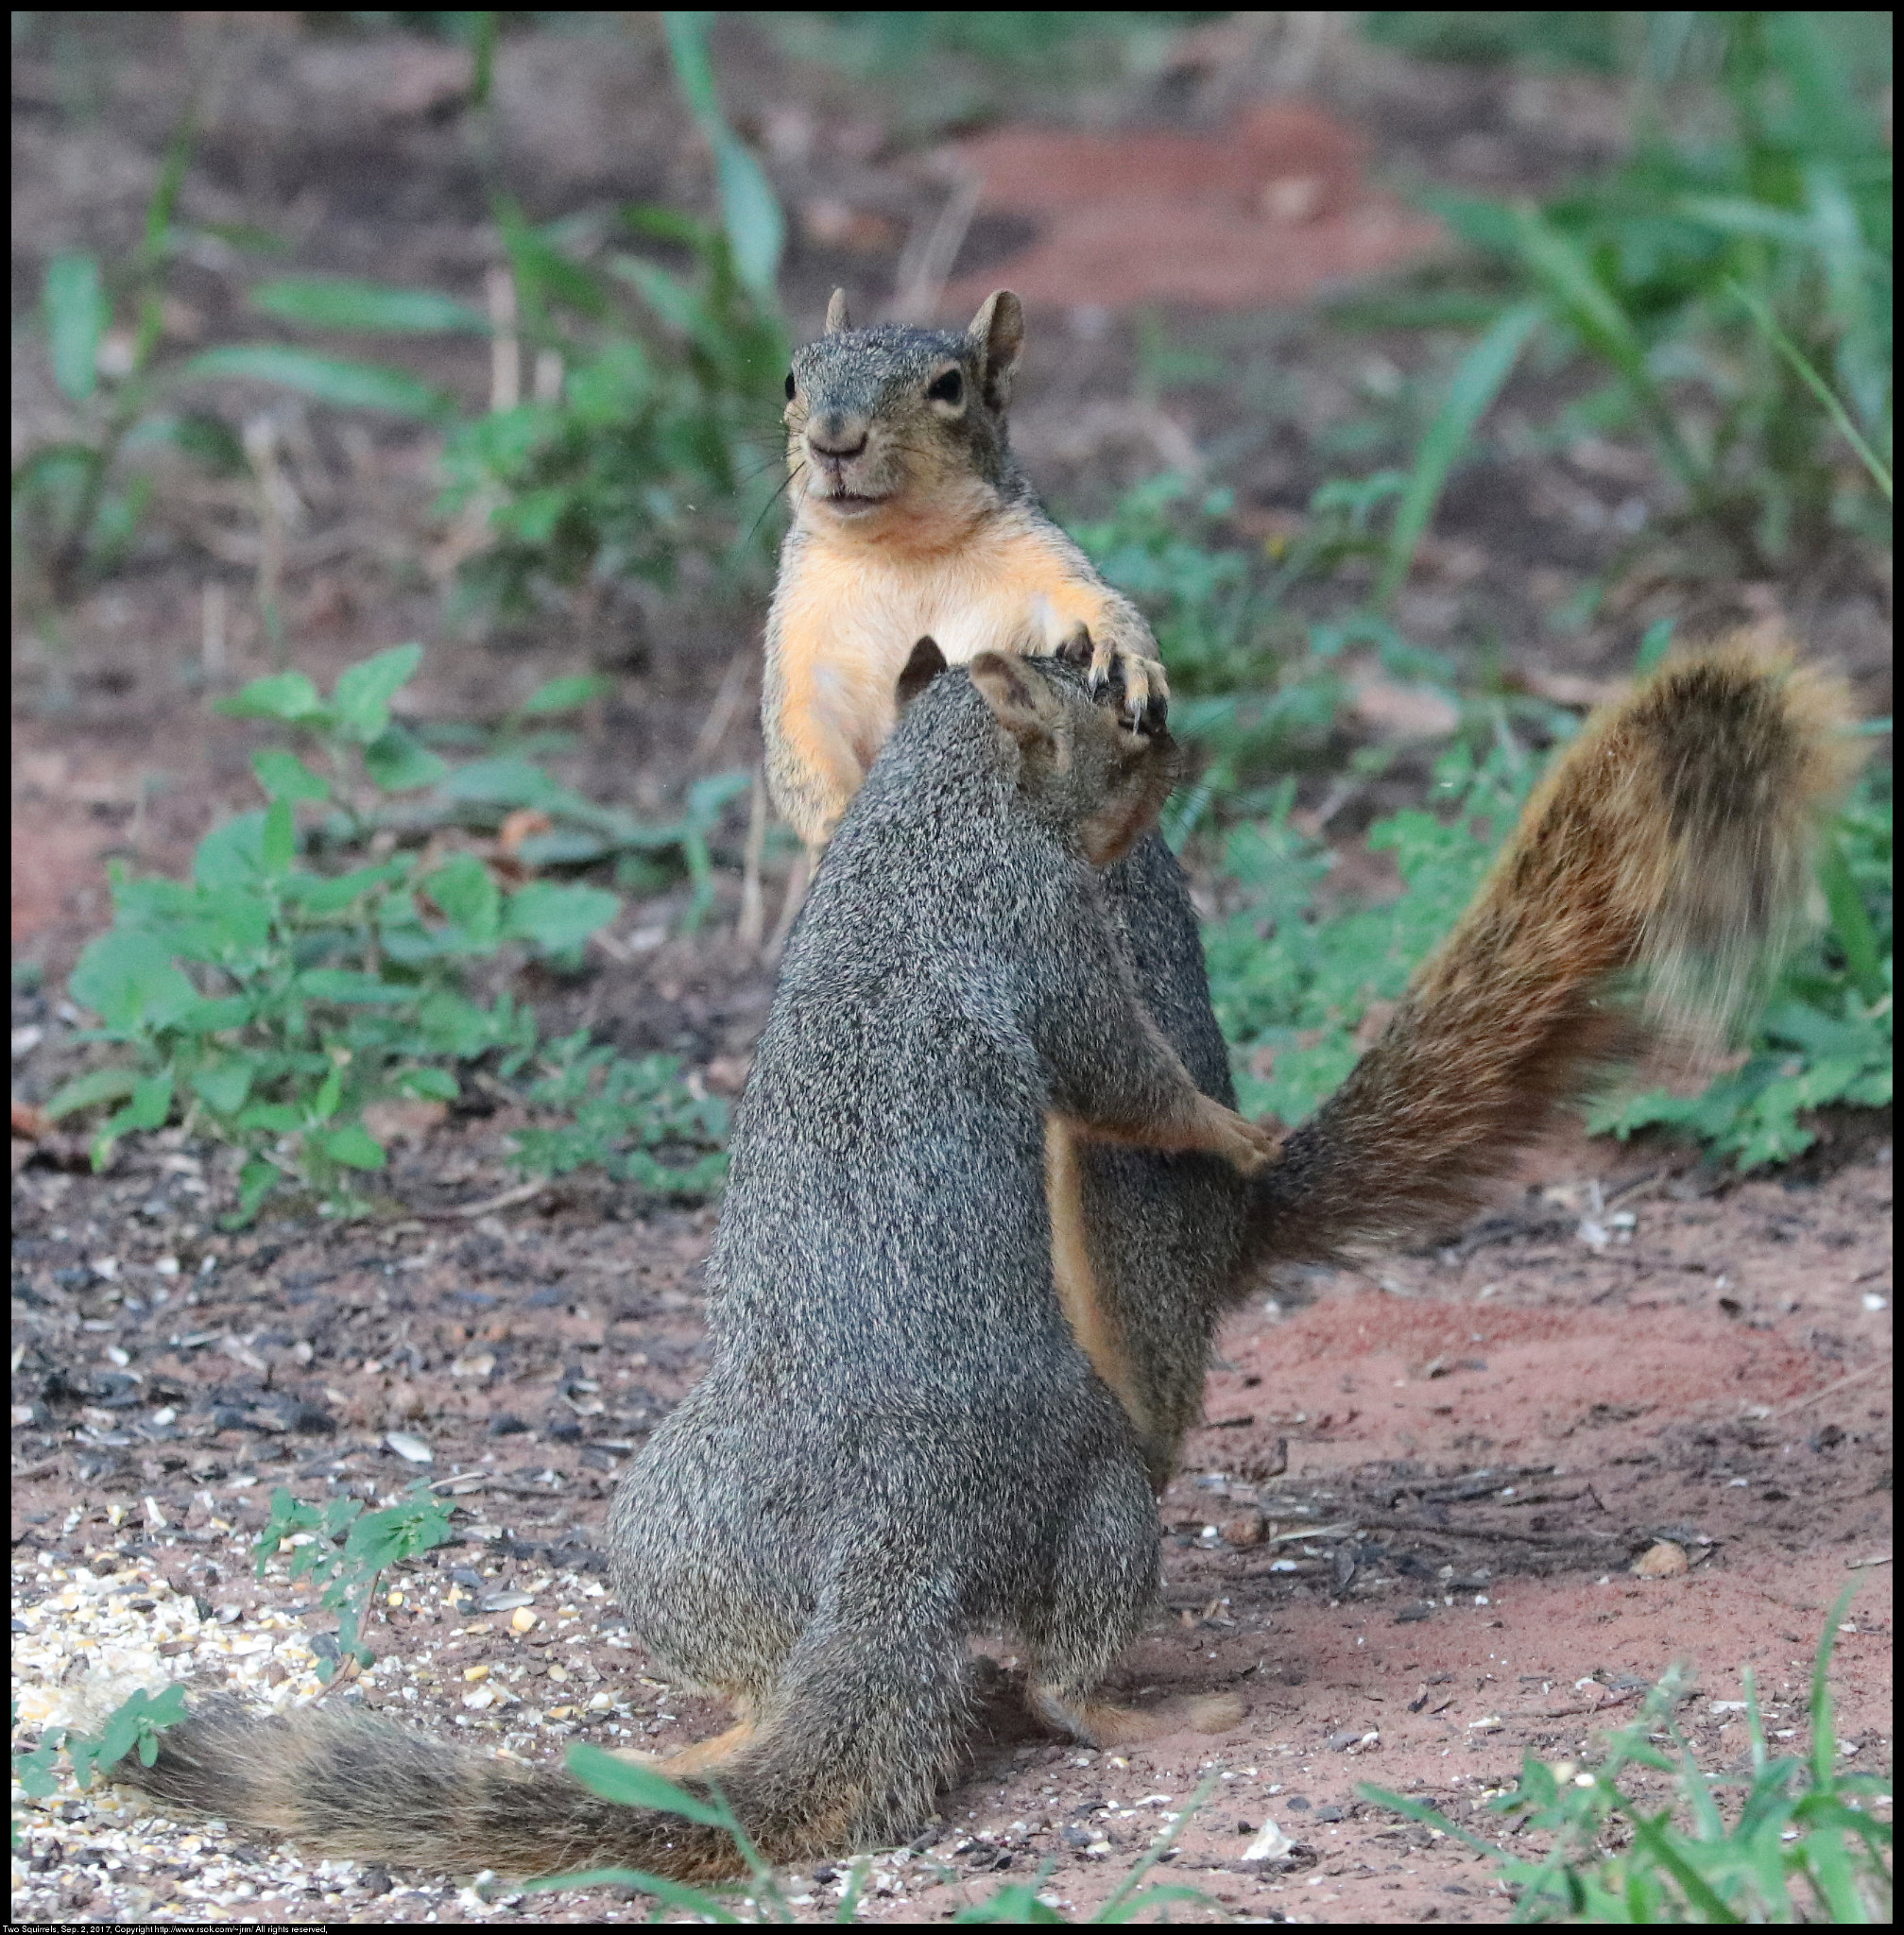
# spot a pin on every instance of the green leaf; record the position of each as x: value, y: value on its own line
x: 343, y: 302
x: 89, y: 1090
x: 353, y: 1146
x: 555, y: 918
x: 1476, y: 383
x: 232, y: 855
x: 629, y: 1785
x: 76, y: 318
x: 277, y: 842
x: 255, y: 1182
x: 362, y: 699
x: 398, y: 762
x: 347, y: 985
x: 149, y: 1106
x: 467, y: 892
x: 564, y: 694
x: 750, y: 212
x: 318, y: 894
x: 437, y: 1085
x: 288, y: 696
x: 284, y: 776
x: 224, y: 1084
x: 130, y: 981
x: 507, y: 781
x: 274, y: 1118
x: 346, y: 386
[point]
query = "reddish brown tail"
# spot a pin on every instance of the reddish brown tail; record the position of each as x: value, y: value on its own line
x: 1674, y: 837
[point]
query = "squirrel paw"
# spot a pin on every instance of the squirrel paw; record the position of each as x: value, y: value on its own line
x: 1135, y: 680
x: 1246, y: 1145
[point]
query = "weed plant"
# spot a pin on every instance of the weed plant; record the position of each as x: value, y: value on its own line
x: 346, y: 1549
x: 1785, y: 1839
x: 267, y: 1002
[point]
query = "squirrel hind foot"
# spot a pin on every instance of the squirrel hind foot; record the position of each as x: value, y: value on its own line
x: 1107, y: 1724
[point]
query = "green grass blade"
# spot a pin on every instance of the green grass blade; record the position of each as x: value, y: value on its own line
x: 1476, y: 383
x: 750, y: 212
x: 347, y: 302
x: 1755, y: 307
x: 77, y: 315
x: 347, y: 385
x: 1605, y: 326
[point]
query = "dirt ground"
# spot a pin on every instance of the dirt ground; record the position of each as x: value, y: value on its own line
x: 1404, y: 1538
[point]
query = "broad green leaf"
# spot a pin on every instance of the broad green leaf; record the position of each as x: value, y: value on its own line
x: 213, y: 1017
x: 398, y: 762
x: 255, y: 1182
x: 89, y: 1089
x: 556, y: 918
x: 343, y: 302
x: 330, y: 1093
x: 505, y: 780
x: 362, y: 699
x: 149, y: 1105
x: 346, y: 386
x: 278, y: 1118
x: 353, y: 1146
x: 286, y: 695
x: 468, y: 894
x: 319, y: 895
x: 284, y: 776
x: 224, y: 1084
x: 131, y: 981
x: 76, y: 318
x: 232, y: 855
x: 564, y: 694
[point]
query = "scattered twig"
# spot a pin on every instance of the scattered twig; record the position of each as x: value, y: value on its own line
x: 508, y: 1200
x: 1831, y: 1390
x: 728, y: 696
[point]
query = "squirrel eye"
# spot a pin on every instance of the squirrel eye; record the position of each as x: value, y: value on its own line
x: 949, y: 389
x: 791, y: 386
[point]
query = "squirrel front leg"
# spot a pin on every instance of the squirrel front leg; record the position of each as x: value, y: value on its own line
x: 1123, y: 651
x: 1115, y: 1078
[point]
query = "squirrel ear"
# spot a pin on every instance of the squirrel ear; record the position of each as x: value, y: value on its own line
x: 997, y: 336
x: 1020, y: 701
x: 926, y: 663
x: 837, y: 318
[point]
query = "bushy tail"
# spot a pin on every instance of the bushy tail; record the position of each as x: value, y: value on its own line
x: 1674, y: 837
x: 851, y: 1755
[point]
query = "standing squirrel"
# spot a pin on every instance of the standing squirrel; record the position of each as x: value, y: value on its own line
x: 911, y: 520
x: 1676, y: 827
x: 898, y: 1444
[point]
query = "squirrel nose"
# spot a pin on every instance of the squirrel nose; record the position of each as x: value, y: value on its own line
x: 837, y: 436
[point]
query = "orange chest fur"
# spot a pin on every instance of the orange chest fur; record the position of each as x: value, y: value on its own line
x: 846, y: 618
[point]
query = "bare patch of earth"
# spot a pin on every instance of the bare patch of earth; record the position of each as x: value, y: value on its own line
x: 1404, y: 1536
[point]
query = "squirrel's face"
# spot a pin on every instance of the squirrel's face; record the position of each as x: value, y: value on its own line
x: 890, y: 418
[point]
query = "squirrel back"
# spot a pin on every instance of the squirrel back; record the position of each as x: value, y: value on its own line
x: 898, y: 1443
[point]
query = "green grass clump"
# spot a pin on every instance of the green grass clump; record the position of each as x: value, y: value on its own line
x: 1785, y: 1839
